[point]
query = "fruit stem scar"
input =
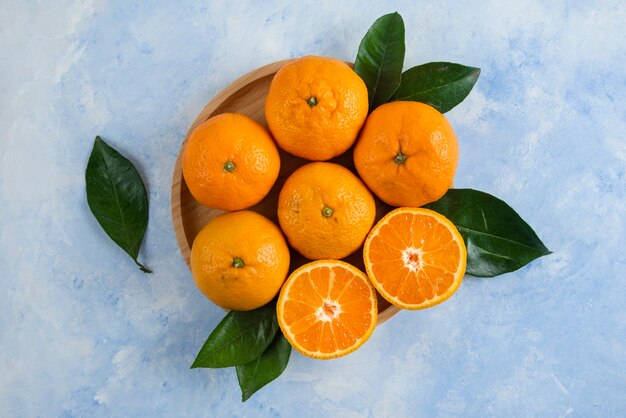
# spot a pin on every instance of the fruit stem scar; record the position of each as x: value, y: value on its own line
x: 327, y: 212
x: 312, y: 101
x: 237, y: 263
x: 229, y: 166
x: 400, y: 158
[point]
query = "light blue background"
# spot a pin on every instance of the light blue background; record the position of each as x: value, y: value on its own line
x: 84, y: 333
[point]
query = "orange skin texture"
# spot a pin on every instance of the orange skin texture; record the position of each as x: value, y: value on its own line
x: 237, y: 139
x: 255, y: 240
x: 424, y: 136
x: 328, y: 128
x: 311, y: 189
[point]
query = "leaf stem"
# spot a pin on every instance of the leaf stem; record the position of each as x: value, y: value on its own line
x: 142, y: 267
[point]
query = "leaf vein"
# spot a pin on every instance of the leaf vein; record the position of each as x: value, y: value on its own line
x: 242, y: 334
x: 117, y: 203
x: 499, y: 237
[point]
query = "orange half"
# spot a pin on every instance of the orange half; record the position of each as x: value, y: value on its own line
x: 327, y: 309
x: 415, y: 258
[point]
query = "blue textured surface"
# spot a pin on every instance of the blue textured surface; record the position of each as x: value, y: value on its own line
x: 84, y: 333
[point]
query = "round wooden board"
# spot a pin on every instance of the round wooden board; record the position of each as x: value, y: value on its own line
x: 247, y: 96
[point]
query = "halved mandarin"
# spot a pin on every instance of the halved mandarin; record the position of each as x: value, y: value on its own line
x: 415, y: 258
x: 327, y: 309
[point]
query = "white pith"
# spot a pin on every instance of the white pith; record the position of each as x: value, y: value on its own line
x: 322, y: 315
x: 412, y: 265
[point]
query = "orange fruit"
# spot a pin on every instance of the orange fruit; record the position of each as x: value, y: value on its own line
x: 325, y: 211
x: 239, y: 260
x: 407, y: 153
x: 315, y: 107
x: 415, y: 258
x: 327, y: 309
x: 230, y: 162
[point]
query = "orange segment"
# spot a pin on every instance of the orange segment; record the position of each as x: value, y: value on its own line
x: 327, y: 309
x: 415, y: 258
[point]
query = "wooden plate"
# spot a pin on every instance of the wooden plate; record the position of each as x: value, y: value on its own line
x: 247, y: 96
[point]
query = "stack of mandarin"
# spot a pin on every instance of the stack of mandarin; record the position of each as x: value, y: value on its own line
x: 404, y: 153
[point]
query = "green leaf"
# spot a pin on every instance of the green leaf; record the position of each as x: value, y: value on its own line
x: 117, y: 198
x: 240, y: 338
x: 442, y: 85
x: 497, y: 238
x: 254, y: 375
x: 381, y: 57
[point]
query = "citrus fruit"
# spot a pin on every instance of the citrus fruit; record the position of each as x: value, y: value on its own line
x: 407, y: 153
x: 327, y: 309
x: 325, y: 211
x: 230, y: 162
x: 239, y: 260
x: 315, y: 107
x: 415, y: 257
